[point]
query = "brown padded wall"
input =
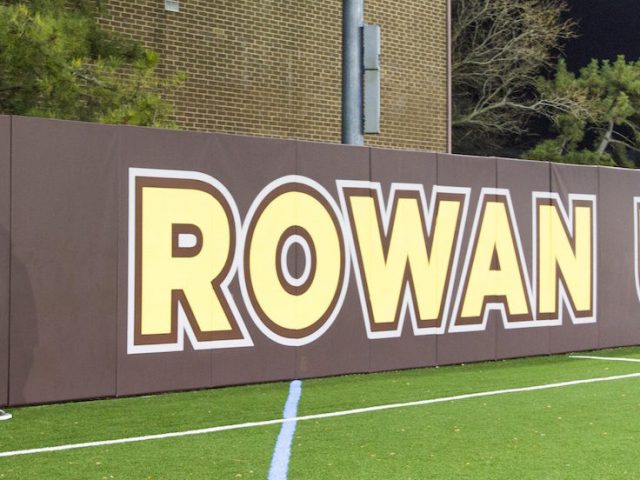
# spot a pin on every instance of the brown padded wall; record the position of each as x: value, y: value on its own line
x: 521, y: 178
x: 63, y: 275
x: 248, y: 163
x: 344, y: 347
x: 148, y: 148
x: 5, y: 252
x: 475, y: 173
x: 617, y: 297
x: 408, y: 350
x: 240, y: 164
x: 566, y: 179
x: 68, y: 270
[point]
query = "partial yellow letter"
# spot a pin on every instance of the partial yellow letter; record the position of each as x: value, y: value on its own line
x: 407, y: 250
x: 495, y: 274
x: 565, y: 257
x: 185, y: 241
x: 293, y: 306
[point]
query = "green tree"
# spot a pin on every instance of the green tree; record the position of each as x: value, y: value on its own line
x: 57, y: 62
x: 608, y: 129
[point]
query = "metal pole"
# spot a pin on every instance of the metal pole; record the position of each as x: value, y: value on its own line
x: 352, y: 23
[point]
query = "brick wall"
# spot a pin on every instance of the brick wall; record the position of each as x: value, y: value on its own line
x: 273, y: 67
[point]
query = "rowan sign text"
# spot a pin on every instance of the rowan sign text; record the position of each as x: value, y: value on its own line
x: 409, y: 250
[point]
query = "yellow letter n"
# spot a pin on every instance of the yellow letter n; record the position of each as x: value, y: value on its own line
x: 565, y: 257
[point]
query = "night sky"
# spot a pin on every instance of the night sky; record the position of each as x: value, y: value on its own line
x: 606, y: 28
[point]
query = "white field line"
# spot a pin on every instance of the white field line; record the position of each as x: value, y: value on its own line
x: 318, y: 416
x: 613, y: 359
x: 282, y: 451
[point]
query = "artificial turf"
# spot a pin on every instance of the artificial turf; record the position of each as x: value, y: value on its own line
x: 580, y: 431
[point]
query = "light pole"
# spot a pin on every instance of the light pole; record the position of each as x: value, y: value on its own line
x: 352, y: 70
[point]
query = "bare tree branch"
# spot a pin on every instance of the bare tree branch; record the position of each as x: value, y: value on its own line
x: 500, y: 48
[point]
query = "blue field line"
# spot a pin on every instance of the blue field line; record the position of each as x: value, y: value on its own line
x: 282, y: 450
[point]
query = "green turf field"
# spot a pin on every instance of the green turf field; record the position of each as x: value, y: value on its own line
x: 580, y: 431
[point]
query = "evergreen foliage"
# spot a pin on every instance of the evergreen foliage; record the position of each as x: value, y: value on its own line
x: 608, y: 130
x: 56, y: 61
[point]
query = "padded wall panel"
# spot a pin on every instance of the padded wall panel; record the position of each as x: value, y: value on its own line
x: 246, y: 166
x: 475, y: 173
x: 566, y: 180
x: 63, y: 275
x: 521, y: 178
x: 618, y: 309
x: 407, y: 169
x: 5, y: 253
x: 344, y: 347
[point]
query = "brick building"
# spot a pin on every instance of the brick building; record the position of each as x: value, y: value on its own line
x: 273, y: 67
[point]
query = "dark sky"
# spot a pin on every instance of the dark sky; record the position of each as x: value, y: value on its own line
x: 606, y: 28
